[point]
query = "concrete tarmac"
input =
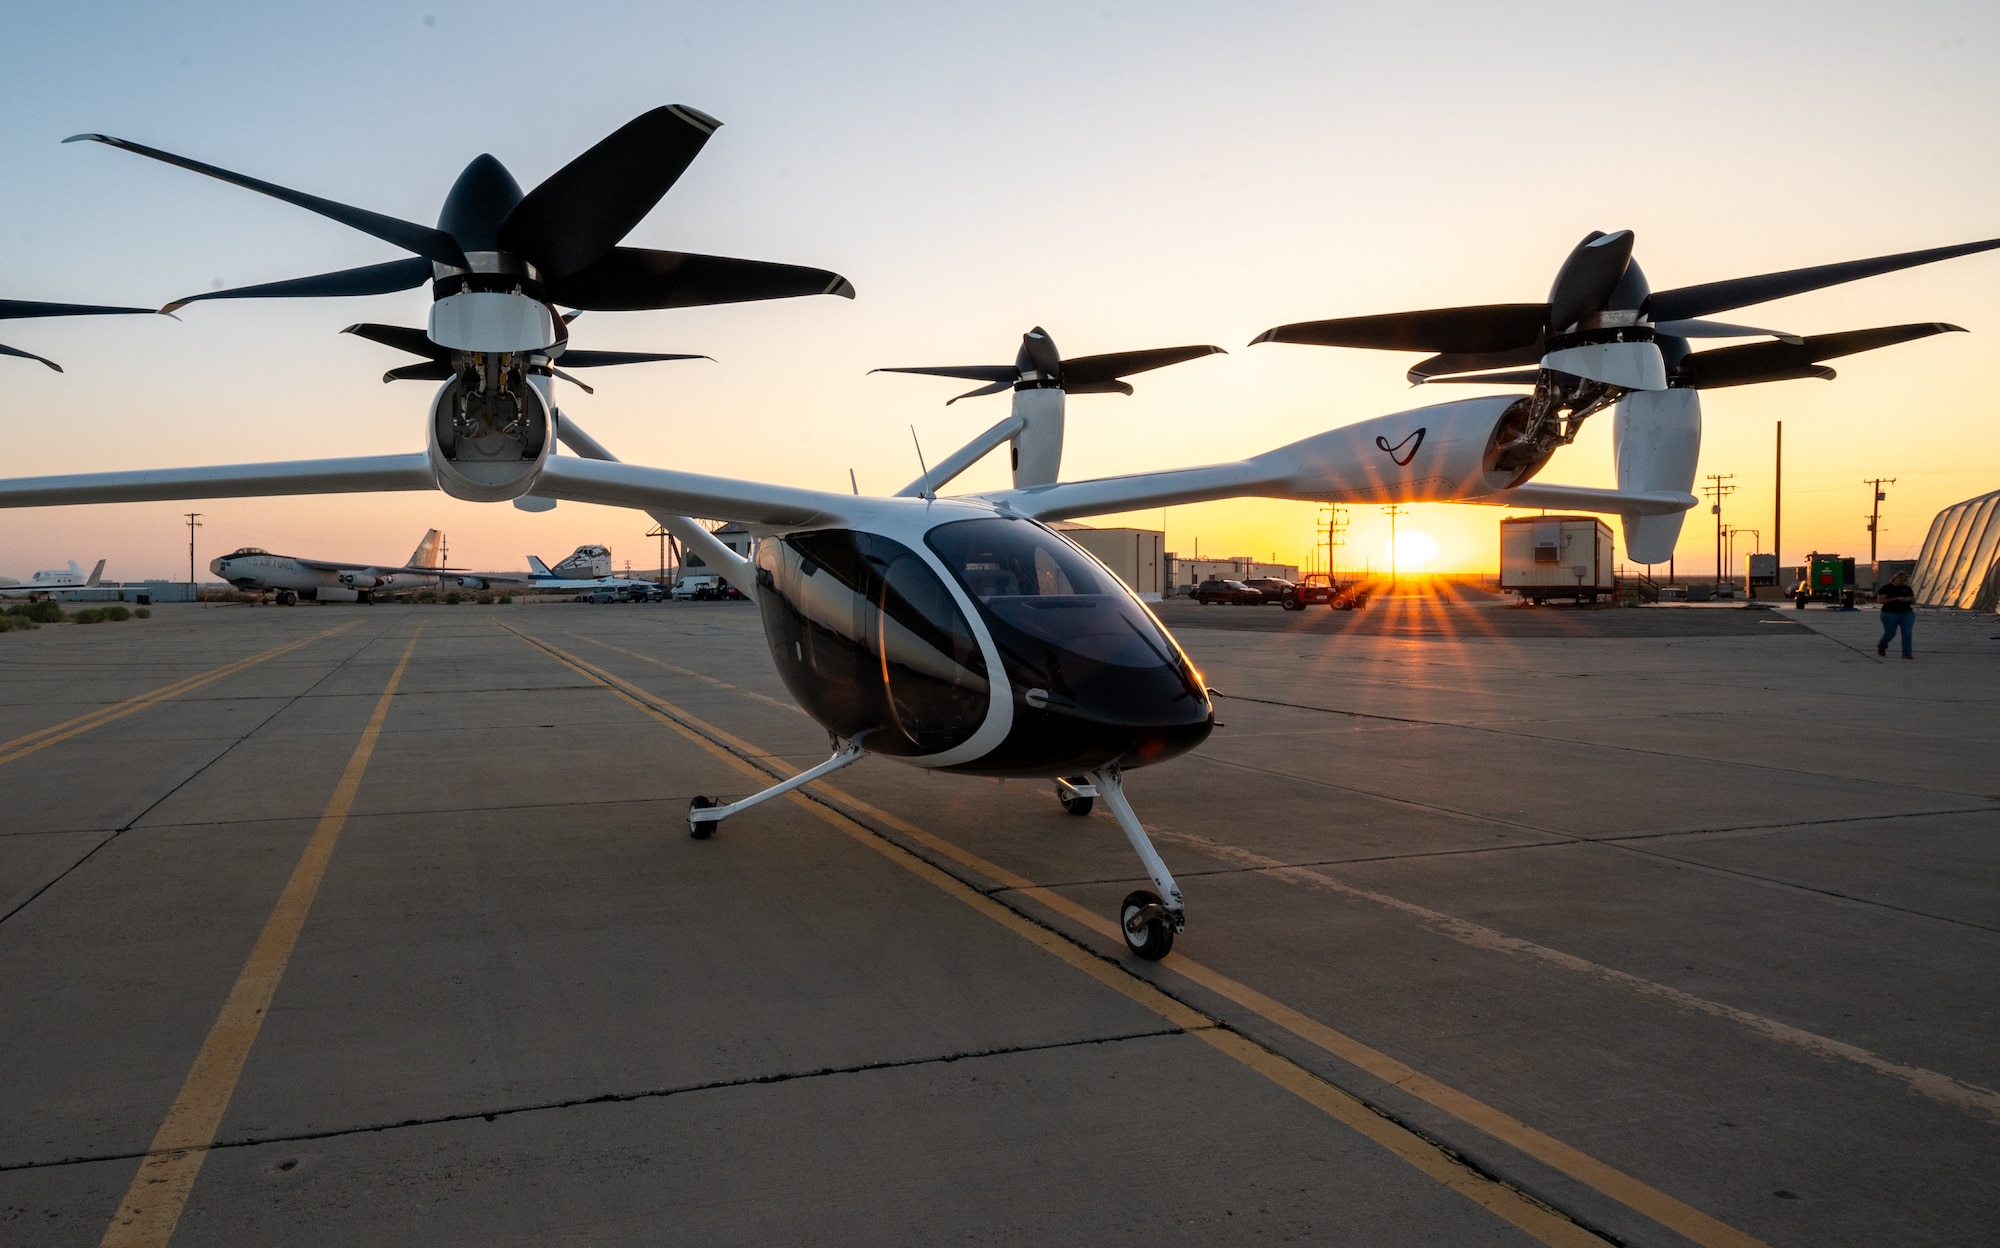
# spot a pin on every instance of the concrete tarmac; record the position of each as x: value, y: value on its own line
x: 1508, y: 927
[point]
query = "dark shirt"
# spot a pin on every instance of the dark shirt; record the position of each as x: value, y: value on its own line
x: 1897, y: 599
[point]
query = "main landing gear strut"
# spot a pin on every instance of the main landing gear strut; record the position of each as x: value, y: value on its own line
x: 704, y: 814
x: 1148, y: 920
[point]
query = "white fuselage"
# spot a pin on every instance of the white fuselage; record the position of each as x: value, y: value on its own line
x: 281, y: 572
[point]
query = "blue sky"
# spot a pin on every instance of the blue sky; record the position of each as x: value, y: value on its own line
x: 1126, y: 175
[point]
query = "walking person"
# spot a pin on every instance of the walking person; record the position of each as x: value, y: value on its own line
x: 1899, y: 612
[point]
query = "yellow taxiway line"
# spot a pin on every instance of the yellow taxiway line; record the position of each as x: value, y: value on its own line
x: 1509, y: 1203
x: 159, y: 1192
x: 42, y: 738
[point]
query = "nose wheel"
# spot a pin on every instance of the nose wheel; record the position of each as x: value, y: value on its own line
x: 1148, y: 929
x: 1076, y: 794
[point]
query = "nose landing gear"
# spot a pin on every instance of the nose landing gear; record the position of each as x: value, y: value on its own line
x: 1149, y: 920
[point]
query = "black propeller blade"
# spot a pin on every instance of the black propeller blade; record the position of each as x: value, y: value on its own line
x: 1039, y: 361
x: 965, y: 372
x: 1492, y: 327
x: 401, y: 337
x: 432, y: 370
x: 604, y: 359
x: 630, y: 279
x: 373, y: 279
x: 1785, y: 361
x: 1436, y: 368
x: 22, y: 309
x: 1584, y: 284
x: 1088, y: 370
x: 1713, y: 297
x: 580, y: 213
x: 439, y: 368
x: 29, y: 355
x: 1513, y: 377
x: 421, y: 239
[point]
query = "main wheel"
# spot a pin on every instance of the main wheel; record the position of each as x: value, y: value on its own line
x: 1155, y: 937
x: 700, y: 831
x: 1073, y: 803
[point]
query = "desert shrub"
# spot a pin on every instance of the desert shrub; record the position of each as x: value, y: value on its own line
x: 89, y: 615
x: 144, y: 613
x: 117, y: 612
x: 42, y: 612
x: 504, y: 598
x: 8, y: 623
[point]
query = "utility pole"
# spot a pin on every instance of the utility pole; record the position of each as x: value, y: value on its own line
x: 1875, y: 515
x: 1718, y: 491
x: 1333, y: 521
x: 1778, y: 506
x: 660, y: 531
x: 194, y: 522
x: 1392, y: 512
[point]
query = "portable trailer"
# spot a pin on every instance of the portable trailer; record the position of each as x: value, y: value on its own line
x: 1544, y: 557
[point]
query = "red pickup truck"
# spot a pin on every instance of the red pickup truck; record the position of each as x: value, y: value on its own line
x: 1319, y: 588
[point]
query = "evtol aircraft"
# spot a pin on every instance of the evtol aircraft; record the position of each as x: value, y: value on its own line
x: 957, y: 634
x: 45, y: 583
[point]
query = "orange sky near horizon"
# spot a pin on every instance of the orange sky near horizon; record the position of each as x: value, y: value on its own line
x: 1166, y: 175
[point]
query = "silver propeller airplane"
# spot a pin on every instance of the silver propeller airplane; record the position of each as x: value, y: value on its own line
x: 958, y: 634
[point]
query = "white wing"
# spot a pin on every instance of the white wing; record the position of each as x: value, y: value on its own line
x: 362, y: 474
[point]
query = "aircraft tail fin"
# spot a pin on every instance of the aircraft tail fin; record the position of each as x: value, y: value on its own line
x: 539, y: 568
x: 95, y: 572
x: 426, y: 555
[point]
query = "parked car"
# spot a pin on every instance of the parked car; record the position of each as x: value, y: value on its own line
x: 1320, y: 589
x: 1208, y: 593
x: 605, y: 593
x: 647, y: 592
x: 1273, y: 588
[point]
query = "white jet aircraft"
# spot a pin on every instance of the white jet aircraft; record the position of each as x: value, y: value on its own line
x: 587, y: 568
x: 953, y: 634
x: 44, y: 583
x: 323, y: 580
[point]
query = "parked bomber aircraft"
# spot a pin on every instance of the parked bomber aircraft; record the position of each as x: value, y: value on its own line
x: 954, y: 634
x: 322, y: 580
x: 44, y: 583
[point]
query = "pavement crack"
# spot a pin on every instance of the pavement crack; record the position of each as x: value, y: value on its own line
x: 192, y: 776
x: 629, y: 1097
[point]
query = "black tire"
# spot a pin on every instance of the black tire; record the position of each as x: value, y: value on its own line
x: 1291, y: 603
x: 1157, y: 939
x: 701, y: 831
x: 1073, y: 804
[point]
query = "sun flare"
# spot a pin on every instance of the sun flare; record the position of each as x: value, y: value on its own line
x: 1415, y: 551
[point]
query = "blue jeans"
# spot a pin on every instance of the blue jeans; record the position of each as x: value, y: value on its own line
x: 1892, y: 621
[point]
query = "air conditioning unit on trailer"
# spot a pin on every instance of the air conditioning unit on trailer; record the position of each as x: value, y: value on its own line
x: 1556, y: 557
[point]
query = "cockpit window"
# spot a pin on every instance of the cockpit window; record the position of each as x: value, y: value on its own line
x: 871, y: 641
x: 247, y: 550
x: 1028, y: 578
x: 1095, y: 677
